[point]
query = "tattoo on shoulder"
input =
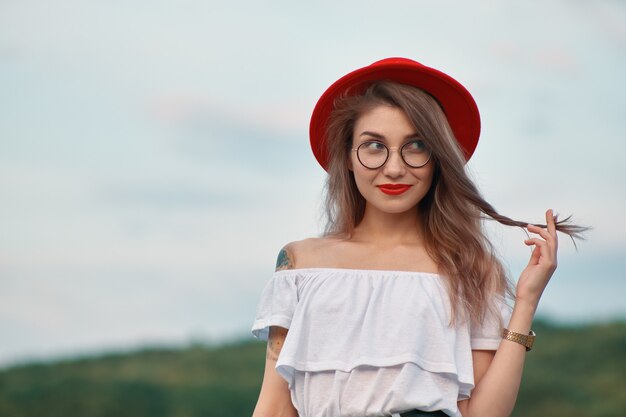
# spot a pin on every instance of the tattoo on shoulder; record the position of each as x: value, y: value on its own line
x: 284, y: 260
x: 275, y: 342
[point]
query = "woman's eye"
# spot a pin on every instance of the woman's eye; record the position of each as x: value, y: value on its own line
x: 373, y: 146
x: 415, y: 146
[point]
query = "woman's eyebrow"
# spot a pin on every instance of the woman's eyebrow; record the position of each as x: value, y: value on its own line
x: 372, y: 134
x: 379, y: 136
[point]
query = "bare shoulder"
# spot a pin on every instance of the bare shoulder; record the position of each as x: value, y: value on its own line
x: 286, y: 257
x: 305, y: 253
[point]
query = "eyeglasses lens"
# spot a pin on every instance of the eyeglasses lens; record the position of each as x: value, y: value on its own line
x: 372, y: 154
x: 415, y: 153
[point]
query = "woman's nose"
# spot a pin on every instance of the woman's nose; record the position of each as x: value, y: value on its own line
x: 394, y: 167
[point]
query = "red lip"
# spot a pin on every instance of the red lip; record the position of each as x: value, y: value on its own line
x: 394, y: 189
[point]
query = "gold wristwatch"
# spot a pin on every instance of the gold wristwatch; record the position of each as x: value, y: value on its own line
x: 526, y: 340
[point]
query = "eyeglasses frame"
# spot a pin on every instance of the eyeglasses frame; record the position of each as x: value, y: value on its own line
x: 389, y: 150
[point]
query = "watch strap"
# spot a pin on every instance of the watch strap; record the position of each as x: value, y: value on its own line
x: 525, y: 340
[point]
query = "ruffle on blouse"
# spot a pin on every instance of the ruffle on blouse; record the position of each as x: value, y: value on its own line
x: 340, y: 319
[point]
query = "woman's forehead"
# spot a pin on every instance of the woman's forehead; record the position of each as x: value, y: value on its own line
x: 384, y: 123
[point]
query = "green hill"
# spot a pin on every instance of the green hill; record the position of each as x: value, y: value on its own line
x: 573, y: 371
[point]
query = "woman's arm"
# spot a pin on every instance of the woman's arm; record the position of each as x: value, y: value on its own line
x: 274, y: 398
x: 498, y: 376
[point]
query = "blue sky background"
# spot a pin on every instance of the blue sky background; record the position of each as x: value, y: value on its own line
x: 154, y: 155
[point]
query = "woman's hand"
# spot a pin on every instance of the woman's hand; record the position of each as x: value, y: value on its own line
x: 542, y: 264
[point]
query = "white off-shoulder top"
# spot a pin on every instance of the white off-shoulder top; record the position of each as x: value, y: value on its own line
x: 372, y: 342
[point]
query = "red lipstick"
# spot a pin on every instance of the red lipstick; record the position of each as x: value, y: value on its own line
x: 394, y: 189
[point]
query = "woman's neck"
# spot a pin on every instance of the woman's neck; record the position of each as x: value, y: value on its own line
x: 386, y: 229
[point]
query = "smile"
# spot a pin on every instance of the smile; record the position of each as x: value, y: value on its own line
x: 394, y: 189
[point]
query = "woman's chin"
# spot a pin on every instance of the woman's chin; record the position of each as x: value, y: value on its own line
x: 398, y: 207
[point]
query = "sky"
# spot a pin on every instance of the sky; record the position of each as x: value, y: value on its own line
x: 154, y: 155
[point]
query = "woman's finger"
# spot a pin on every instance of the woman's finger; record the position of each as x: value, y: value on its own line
x: 543, y: 246
x: 534, y: 256
x: 542, y: 253
x: 551, y: 223
x: 541, y: 232
x: 536, y: 241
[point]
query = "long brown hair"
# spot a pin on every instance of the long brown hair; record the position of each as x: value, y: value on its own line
x: 452, y: 211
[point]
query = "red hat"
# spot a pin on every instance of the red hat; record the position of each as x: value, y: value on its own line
x: 457, y: 103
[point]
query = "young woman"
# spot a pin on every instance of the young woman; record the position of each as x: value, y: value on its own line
x: 399, y: 308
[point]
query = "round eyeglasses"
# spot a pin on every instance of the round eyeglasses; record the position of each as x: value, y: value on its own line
x: 374, y: 154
